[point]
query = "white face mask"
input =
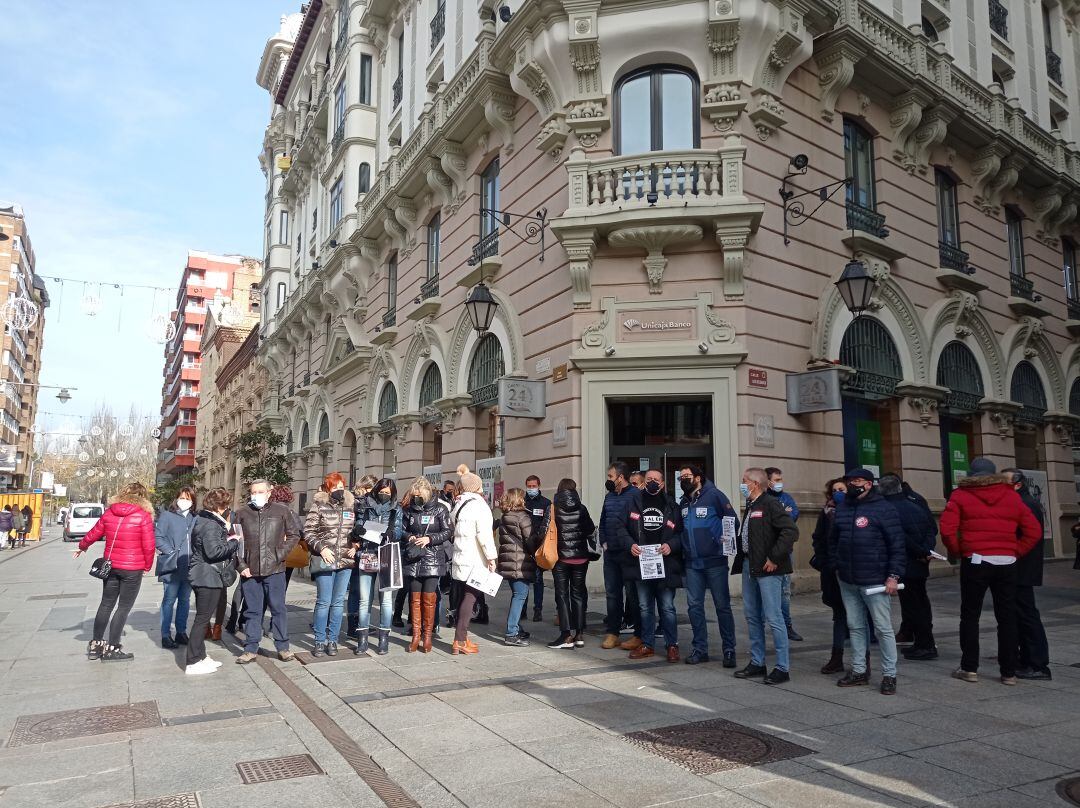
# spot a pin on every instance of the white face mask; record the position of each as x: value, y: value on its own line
x: 184, y: 505
x: 778, y: 487
x: 260, y: 500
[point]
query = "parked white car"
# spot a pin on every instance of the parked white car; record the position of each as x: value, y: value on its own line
x: 81, y: 517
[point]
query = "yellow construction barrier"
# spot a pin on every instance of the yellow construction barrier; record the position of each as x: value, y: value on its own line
x: 36, y: 503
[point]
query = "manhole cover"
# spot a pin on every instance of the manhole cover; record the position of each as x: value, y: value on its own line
x: 58, y: 596
x: 707, y: 747
x: 1069, y: 790
x: 174, y: 801
x: 279, y: 768
x: 45, y: 727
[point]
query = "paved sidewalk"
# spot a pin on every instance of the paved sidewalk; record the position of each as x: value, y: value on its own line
x: 510, y: 727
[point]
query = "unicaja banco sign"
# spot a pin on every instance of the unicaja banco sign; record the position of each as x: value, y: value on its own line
x: 633, y: 324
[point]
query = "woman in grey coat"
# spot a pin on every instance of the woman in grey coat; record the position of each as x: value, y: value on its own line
x: 172, y: 539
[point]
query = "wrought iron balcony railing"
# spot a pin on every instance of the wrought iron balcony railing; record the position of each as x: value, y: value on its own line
x: 999, y: 19
x: 1020, y: 286
x: 430, y: 288
x: 1074, y: 309
x: 307, y: 379
x: 389, y: 320
x: 952, y: 257
x: 485, y: 248
x: 866, y: 220
x: 341, y: 44
x: 485, y: 396
x: 1053, y: 65
x: 438, y: 26
x: 399, y: 88
x: 338, y: 139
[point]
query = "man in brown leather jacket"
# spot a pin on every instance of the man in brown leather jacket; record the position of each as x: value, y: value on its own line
x: 270, y: 534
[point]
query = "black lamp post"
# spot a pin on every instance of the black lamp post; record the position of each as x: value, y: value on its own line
x: 856, y: 287
x: 481, y: 307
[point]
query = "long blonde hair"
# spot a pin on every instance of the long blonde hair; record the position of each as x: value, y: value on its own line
x: 512, y: 500
x: 421, y: 486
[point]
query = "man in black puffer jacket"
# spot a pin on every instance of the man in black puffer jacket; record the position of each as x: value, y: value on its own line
x: 920, y: 538
x: 1033, y: 661
x: 867, y: 543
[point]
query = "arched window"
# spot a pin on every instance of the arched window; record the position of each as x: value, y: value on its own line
x: 1074, y: 398
x: 958, y: 370
x: 656, y: 109
x: 484, y: 371
x: 430, y: 386
x: 930, y: 30
x: 350, y: 453
x: 387, y: 402
x: 305, y: 438
x: 1027, y: 390
x: 869, y: 349
x: 288, y: 442
x: 324, y: 428
x: 365, y: 177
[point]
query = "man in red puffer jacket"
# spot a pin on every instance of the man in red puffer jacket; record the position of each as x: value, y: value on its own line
x: 989, y: 526
x: 127, y: 527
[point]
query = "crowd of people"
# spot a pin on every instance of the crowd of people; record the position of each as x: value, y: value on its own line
x: 435, y: 552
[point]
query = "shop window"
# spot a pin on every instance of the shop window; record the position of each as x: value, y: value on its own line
x: 870, y: 414
x: 656, y: 109
x: 959, y: 371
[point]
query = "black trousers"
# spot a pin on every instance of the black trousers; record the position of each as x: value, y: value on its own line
x: 118, y: 591
x: 917, y: 613
x: 975, y: 580
x: 1034, y: 648
x: 570, y: 595
x: 207, y: 600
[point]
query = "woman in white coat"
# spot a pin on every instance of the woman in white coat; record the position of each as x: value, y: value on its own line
x: 474, y: 546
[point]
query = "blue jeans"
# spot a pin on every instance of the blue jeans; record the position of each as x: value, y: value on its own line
x: 762, y: 599
x: 655, y: 592
x: 785, y: 602
x: 331, y: 589
x: 367, y: 590
x: 715, y: 579
x: 615, y: 584
x: 538, y: 590
x: 266, y: 590
x: 879, y: 608
x: 178, y: 595
x: 520, y: 590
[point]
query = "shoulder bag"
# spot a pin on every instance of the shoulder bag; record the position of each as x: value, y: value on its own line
x: 103, y: 566
x: 548, y: 554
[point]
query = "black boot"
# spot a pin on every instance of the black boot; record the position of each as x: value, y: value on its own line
x: 115, y: 653
x: 835, y: 663
x: 482, y: 617
x: 384, y: 642
x: 362, y: 641
x: 352, y: 625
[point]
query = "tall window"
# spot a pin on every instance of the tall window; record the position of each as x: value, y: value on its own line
x: 339, y: 105
x: 365, y: 79
x: 948, y: 210
x: 391, y: 284
x: 1014, y: 229
x: 859, y: 164
x: 930, y: 30
x: 314, y: 220
x: 489, y: 198
x: 326, y: 336
x: 365, y: 178
x: 336, y: 207
x: 283, y: 227
x: 657, y: 109
x: 1048, y: 27
x: 434, y: 235
x: 1068, y: 264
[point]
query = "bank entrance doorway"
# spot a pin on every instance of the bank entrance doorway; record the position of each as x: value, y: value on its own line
x: 667, y: 434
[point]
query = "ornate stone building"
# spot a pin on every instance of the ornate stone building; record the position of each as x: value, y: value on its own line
x: 638, y: 185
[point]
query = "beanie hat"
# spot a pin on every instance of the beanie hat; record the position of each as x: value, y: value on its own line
x: 470, y: 482
x: 981, y: 467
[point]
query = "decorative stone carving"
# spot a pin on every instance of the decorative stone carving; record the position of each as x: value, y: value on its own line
x: 580, y: 246
x: 790, y: 36
x: 452, y: 158
x: 1063, y: 425
x: 732, y: 238
x: 767, y: 113
x: 723, y: 332
x: 722, y: 104
x: 530, y: 71
x: 499, y: 113
x: 552, y: 134
x: 1002, y: 414
x: 654, y: 238
x: 931, y: 132
x: 904, y: 118
x: 587, y: 120
x: 985, y: 168
x: 722, y: 40
x: 442, y: 187
x: 1032, y: 331
x: 594, y: 335
x: 1047, y: 204
x: 836, y: 69
x: 965, y: 312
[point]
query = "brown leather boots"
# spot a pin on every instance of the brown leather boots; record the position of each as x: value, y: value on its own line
x: 414, y: 619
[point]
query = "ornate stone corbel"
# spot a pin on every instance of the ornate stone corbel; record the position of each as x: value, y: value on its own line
x: 732, y: 239
x: 587, y: 120
x: 1046, y: 207
x: 1064, y: 426
x: 722, y: 38
x: 904, y: 118
x: 723, y: 103
x: 531, y: 72
x: 442, y: 187
x: 722, y: 332
x: 931, y: 132
x: 965, y: 311
x: 767, y: 113
x: 396, y: 230
x: 367, y: 433
x: 499, y: 113
x: 1064, y: 215
x: 924, y: 398
x: 654, y: 238
x: 552, y: 135
x: 836, y: 69
x: 580, y: 246
x: 790, y: 35
x: 1032, y: 329
x: 452, y: 158
x: 594, y: 335
x: 985, y: 168
x: 1002, y: 415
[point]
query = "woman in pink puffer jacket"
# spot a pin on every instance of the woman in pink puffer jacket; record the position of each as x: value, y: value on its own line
x: 127, y: 526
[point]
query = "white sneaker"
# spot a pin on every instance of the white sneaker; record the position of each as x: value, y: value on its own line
x: 203, y: 666
x: 213, y: 662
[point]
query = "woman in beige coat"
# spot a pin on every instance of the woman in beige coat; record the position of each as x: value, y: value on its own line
x: 474, y: 546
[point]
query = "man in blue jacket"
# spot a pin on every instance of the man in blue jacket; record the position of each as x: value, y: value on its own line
x: 616, y: 539
x: 867, y: 543
x: 707, y: 517
x: 776, y: 489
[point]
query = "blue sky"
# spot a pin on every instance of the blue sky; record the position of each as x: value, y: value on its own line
x: 130, y: 133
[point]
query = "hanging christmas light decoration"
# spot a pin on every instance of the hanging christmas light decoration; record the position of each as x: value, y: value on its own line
x: 114, y: 473
x: 89, y: 472
x: 20, y: 313
x: 78, y: 473
x: 84, y: 457
x: 96, y: 431
x: 127, y: 430
x: 161, y: 329
x: 121, y: 456
x: 91, y: 301
x: 100, y: 452
x: 143, y: 452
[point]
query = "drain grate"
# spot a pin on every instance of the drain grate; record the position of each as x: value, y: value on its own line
x: 716, y: 745
x: 60, y: 726
x: 1069, y: 790
x: 172, y: 801
x: 58, y: 596
x: 279, y: 768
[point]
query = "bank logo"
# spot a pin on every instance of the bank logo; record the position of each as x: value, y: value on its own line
x: 630, y: 324
x: 656, y: 325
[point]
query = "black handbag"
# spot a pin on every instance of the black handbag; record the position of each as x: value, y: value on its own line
x: 103, y: 566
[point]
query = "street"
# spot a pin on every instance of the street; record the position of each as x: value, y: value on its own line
x: 510, y: 726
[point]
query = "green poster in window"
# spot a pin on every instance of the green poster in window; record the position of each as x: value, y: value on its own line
x: 958, y: 457
x: 869, y: 437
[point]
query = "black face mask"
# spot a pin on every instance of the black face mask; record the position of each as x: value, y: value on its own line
x: 610, y: 486
x: 382, y: 497
x: 337, y: 497
x: 858, y: 490
x: 418, y: 503
x: 652, y: 487
x: 687, y: 486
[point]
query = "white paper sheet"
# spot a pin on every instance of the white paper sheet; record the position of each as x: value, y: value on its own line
x: 729, y: 535
x: 483, y: 579
x: 373, y: 531
x: 650, y: 562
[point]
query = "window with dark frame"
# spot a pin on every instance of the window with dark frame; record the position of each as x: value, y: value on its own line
x: 948, y: 209
x: 1068, y: 266
x: 391, y: 283
x: 489, y: 199
x: 339, y: 105
x: 336, y: 203
x: 434, y: 234
x: 282, y: 294
x: 365, y: 178
x: 283, y: 227
x: 656, y: 110
x: 1014, y: 229
x: 365, y: 79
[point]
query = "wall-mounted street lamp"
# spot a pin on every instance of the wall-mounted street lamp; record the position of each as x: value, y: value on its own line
x: 795, y: 212
x: 856, y: 286
x: 481, y: 307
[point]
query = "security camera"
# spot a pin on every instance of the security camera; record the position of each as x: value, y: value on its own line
x: 609, y: 350
x: 799, y: 162
x: 505, y: 13
x: 703, y: 347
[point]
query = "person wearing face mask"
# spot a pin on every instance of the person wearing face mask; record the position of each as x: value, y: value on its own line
x: 621, y: 500
x: 765, y: 541
x: 361, y: 492
x: 704, y: 509
x: 328, y: 532
x: 269, y: 535
x: 537, y: 505
x: 1033, y: 660
x: 658, y: 522
x: 776, y: 489
x: 835, y: 491
x: 448, y: 493
x: 379, y: 506
x: 425, y: 529
x: 474, y: 546
x: 212, y: 572
x: 172, y: 538
x: 867, y: 543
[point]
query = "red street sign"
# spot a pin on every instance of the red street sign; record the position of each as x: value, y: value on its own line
x: 759, y: 377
